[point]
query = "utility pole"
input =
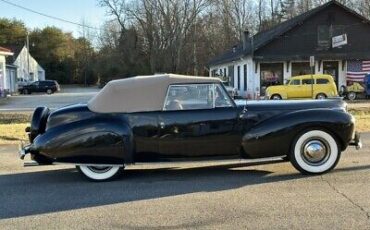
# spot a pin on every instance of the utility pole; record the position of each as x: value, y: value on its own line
x: 195, y: 61
x: 85, y: 53
x: 28, y: 55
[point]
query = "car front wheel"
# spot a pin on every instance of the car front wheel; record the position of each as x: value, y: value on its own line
x: 315, y: 152
x: 100, y: 173
x: 49, y: 91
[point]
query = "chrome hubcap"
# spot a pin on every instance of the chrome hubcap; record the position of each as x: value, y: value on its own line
x: 315, y: 152
x: 99, y: 169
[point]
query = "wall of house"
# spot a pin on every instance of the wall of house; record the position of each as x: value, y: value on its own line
x: 303, y: 40
x: 11, y: 78
x: 2, y: 76
x: 22, y: 62
x: 251, y: 78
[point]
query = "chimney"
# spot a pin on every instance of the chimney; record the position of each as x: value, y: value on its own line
x: 245, y: 39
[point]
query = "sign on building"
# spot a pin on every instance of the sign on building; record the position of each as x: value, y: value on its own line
x: 339, y: 40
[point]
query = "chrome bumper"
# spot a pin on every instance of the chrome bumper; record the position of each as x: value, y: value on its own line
x: 356, y: 141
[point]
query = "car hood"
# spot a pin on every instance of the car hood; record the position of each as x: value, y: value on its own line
x: 293, y: 104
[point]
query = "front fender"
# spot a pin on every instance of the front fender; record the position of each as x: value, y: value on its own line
x: 95, y: 141
x: 274, y: 137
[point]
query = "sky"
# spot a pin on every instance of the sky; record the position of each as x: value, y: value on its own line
x: 72, y: 10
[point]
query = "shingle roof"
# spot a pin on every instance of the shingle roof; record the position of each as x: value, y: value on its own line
x: 264, y: 37
x: 15, y: 50
x: 2, y: 49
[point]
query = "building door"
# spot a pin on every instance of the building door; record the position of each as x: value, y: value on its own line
x: 331, y: 68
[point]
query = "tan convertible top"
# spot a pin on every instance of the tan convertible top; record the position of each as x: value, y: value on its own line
x: 139, y: 94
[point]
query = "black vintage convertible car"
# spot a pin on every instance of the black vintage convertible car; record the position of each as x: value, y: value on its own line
x: 171, y: 118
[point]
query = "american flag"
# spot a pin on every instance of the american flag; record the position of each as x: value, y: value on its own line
x: 356, y: 70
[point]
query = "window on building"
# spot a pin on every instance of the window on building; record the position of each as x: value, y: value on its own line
x: 322, y: 81
x: 245, y: 76
x: 301, y: 68
x: 323, y: 36
x: 231, y: 75
x: 271, y: 74
x: 325, y: 33
x: 238, y: 77
x: 213, y: 73
x: 220, y: 73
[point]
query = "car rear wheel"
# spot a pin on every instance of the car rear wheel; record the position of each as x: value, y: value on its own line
x: 100, y: 173
x: 315, y: 152
x: 276, y: 97
x: 49, y: 91
x: 351, y: 96
x: 320, y: 96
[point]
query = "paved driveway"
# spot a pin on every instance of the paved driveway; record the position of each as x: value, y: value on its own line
x: 68, y: 95
x: 223, y: 195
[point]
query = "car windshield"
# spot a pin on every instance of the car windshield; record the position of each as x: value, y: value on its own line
x: 226, y: 83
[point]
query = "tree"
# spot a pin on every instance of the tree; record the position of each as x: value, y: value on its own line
x: 12, y: 32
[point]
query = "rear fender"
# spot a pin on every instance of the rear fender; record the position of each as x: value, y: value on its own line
x: 97, y: 141
x: 274, y: 137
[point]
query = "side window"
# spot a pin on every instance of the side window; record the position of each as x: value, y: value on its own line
x: 221, y: 97
x: 295, y: 82
x: 307, y: 81
x: 322, y: 81
x: 189, y: 97
x: 196, y: 96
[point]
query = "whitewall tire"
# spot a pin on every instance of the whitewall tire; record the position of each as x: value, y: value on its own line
x: 315, y: 152
x: 321, y: 96
x: 100, y: 173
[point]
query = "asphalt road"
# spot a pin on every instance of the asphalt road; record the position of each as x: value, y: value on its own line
x: 208, y: 195
x: 68, y: 95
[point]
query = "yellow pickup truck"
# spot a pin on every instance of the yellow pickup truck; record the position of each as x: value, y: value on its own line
x: 319, y: 86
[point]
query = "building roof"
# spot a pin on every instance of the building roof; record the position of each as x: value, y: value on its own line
x: 5, y: 51
x: 15, y: 50
x: 2, y: 49
x: 139, y: 94
x: 263, y: 38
